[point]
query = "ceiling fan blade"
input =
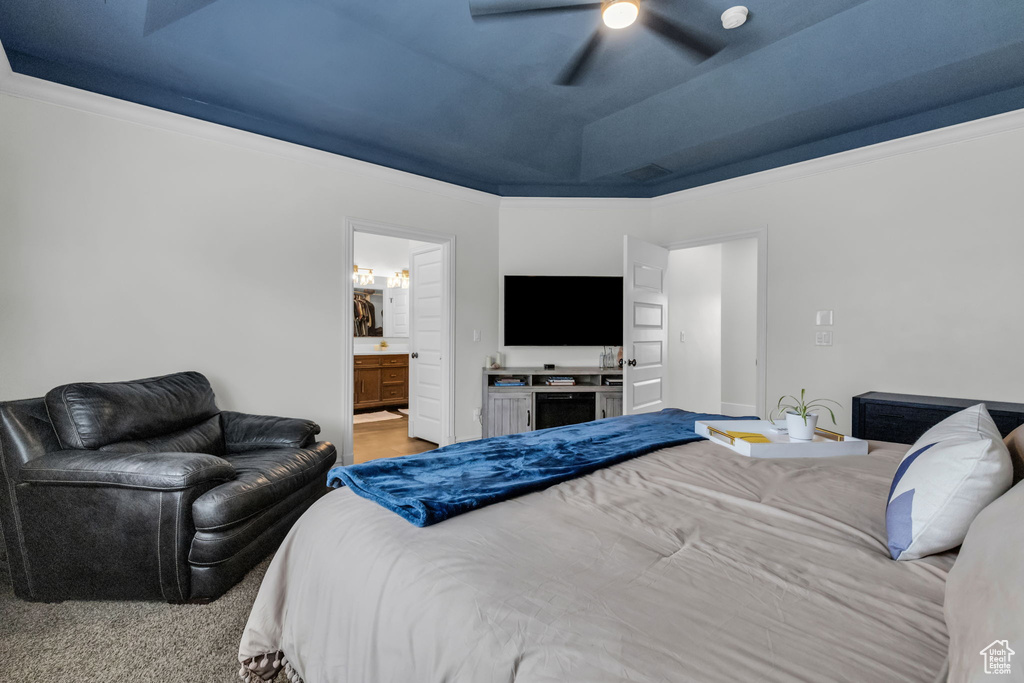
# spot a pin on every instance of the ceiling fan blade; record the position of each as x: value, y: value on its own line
x: 580, y: 61
x: 684, y: 37
x: 497, y: 8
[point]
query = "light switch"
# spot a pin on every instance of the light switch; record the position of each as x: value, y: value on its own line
x: 824, y: 318
x: 823, y: 338
x: 476, y: 335
x: 682, y: 336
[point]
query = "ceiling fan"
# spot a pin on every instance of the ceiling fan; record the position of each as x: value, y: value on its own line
x: 616, y: 14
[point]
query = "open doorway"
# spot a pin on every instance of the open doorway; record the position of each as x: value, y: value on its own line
x: 398, y: 348
x: 695, y: 324
x: 713, y: 327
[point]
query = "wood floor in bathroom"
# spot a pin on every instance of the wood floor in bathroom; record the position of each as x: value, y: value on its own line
x: 386, y: 439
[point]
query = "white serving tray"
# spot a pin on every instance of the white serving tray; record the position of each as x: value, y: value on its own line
x: 825, y: 443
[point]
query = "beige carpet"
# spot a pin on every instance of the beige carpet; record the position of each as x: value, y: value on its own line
x: 360, y: 418
x: 115, y: 642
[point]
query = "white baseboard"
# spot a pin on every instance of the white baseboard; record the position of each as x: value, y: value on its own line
x: 738, y: 410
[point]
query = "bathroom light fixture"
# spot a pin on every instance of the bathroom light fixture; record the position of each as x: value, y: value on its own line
x: 620, y: 13
x: 401, y: 279
x: 362, y: 278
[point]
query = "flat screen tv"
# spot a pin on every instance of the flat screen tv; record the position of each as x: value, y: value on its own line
x: 542, y: 310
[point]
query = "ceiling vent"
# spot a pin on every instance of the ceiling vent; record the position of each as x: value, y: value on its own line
x: 647, y: 173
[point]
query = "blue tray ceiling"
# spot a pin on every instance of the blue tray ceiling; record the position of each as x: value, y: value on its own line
x: 422, y: 87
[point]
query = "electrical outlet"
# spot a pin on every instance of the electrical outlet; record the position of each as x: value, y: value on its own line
x: 823, y: 338
x: 823, y: 318
x: 476, y: 414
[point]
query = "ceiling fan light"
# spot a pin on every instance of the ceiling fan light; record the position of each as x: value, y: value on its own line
x: 620, y: 13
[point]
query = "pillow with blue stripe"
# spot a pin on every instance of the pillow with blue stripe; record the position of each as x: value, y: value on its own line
x: 953, y: 471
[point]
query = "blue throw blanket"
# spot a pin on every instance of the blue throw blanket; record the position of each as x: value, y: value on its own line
x: 433, y: 486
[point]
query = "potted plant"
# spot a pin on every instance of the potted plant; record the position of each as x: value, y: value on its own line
x: 800, y: 421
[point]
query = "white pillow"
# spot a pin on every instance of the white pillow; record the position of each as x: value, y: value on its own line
x: 984, y: 596
x: 953, y: 471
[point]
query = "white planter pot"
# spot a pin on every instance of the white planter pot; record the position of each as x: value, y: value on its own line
x: 798, y: 430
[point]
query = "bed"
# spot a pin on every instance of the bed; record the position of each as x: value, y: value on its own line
x: 691, y: 563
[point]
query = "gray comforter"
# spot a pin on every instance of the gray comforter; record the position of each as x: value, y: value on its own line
x: 688, y: 564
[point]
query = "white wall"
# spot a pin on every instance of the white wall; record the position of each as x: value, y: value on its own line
x: 383, y: 254
x: 918, y: 254
x: 128, y: 251
x: 739, y: 327
x: 564, y: 237
x: 916, y: 244
x: 695, y: 309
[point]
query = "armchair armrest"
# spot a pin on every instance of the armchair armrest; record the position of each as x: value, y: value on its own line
x: 156, y: 471
x: 248, y: 432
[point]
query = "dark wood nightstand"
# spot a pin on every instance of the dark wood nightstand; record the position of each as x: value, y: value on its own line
x: 902, y: 418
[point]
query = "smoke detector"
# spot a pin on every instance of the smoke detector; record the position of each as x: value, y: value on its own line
x: 735, y: 17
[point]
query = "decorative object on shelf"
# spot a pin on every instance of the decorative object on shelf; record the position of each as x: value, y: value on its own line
x: 509, y: 381
x: 800, y: 421
x: 362, y: 276
x: 607, y: 359
x: 496, y: 363
x: 400, y: 280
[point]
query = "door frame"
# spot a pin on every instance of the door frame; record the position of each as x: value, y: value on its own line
x: 447, y: 242
x: 761, y: 235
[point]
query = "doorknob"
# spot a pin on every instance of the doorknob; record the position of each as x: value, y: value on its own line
x: 632, y: 362
x: 414, y: 355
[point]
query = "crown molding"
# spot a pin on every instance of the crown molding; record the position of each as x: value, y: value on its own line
x: 19, y: 85
x: 5, y: 66
x: 574, y: 203
x: 28, y: 87
x: 940, y: 137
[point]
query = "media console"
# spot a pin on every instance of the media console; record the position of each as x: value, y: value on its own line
x: 537, y: 405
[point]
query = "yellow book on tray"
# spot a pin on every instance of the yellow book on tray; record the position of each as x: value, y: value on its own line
x: 750, y: 437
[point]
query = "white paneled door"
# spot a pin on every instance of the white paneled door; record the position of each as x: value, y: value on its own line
x: 396, y: 322
x: 427, y: 342
x: 645, y: 323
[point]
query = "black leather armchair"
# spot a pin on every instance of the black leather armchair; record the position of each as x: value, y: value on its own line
x: 145, y: 490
